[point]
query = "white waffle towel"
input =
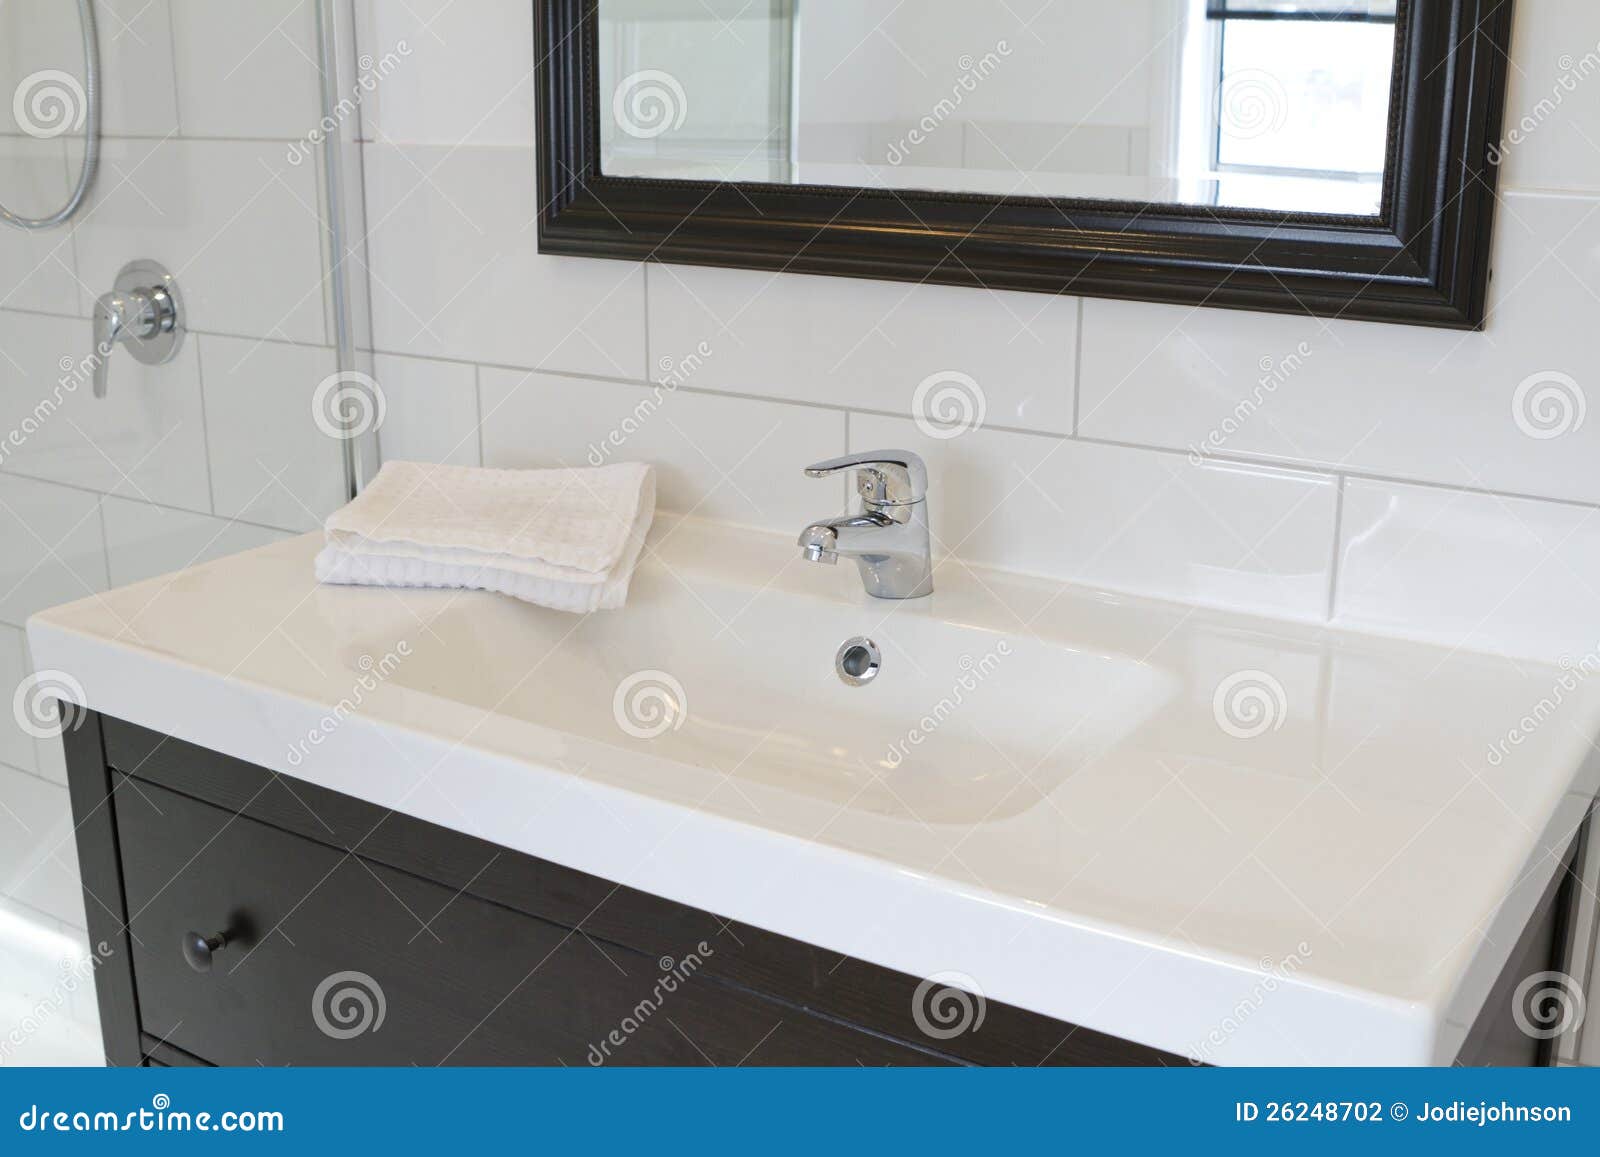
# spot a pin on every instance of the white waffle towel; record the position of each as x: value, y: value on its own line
x: 565, y: 539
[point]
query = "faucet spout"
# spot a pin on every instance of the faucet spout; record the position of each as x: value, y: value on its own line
x: 889, y: 538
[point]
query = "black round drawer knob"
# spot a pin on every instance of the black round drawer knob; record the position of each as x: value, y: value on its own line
x: 198, y: 950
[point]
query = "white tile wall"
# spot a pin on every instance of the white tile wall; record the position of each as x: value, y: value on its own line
x: 246, y: 68
x: 1082, y: 469
x: 1475, y: 570
x: 867, y: 345
x: 432, y: 410
x: 145, y: 439
x: 456, y: 271
x: 143, y: 541
x: 38, y: 859
x: 203, y: 101
x: 271, y: 463
x: 234, y: 220
x: 16, y: 745
x: 724, y: 458
x: 39, y: 265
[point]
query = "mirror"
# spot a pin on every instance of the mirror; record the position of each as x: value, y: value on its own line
x: 1252, y: 104
x: 1332, y: 157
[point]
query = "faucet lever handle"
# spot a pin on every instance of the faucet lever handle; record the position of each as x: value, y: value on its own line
x: 883, y: 478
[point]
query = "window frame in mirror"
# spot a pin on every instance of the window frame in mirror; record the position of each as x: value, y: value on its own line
x: 1423, y: 260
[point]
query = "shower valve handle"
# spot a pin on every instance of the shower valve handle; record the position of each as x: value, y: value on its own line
x: 143, y: 312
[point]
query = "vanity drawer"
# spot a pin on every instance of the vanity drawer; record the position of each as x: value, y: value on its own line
x: 437, y: 976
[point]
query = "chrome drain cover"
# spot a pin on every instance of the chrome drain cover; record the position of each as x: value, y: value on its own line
x: 858, y: 662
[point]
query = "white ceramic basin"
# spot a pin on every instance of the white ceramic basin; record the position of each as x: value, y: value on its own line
x: 1130, y: 815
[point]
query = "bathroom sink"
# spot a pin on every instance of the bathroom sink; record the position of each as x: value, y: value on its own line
x: 1125, y: 814
x: 961, y: 724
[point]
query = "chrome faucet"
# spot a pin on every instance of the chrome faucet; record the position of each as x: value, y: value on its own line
x: 889, y: 538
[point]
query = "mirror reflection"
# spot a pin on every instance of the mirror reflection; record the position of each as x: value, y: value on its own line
x: 1250, y: 104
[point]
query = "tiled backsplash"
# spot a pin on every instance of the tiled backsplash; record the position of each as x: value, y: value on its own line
x: 1411, y: 480
x: 1086, y: 465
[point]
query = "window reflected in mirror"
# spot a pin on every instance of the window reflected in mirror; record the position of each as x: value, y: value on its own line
x: 1246, y: 104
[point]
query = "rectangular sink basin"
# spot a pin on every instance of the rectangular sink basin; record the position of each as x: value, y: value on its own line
x: 1126, y: 814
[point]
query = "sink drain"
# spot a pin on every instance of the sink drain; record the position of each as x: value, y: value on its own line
x: 858, y: 662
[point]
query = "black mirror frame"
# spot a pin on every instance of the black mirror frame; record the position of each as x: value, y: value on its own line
x: 1424, y: 261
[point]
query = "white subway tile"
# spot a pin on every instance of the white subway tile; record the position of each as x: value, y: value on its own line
x: 1251, y: 538
x: 235, y: 221
x: 16, y: 745
x: 1423, y: 404
x: 271, y: 462
x: 145, y: 439
x: 726, y: 458
x: 143, y: 541
x: 53, y: 552
x: 431, y: 410
x: 40, y: 266
x: 1552, y: 123
x: 1517, y: 576
x: 247, y: 68
x: 870, y: 344
x: 38, y: 855
x: 136, y: 74
x: 456, y: 270
x: 454, y: 73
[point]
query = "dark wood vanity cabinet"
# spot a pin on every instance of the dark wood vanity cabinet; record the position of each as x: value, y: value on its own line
x: 244, y: 918
x: 356, y: 936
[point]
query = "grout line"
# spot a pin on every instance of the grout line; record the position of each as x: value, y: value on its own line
x: 42, y: 778
x: 105, y: 539
x: 81, y: 489
x: 205, y: 424
x: 477, y: 398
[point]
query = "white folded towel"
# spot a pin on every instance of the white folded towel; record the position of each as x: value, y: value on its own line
x: 565, y: 539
